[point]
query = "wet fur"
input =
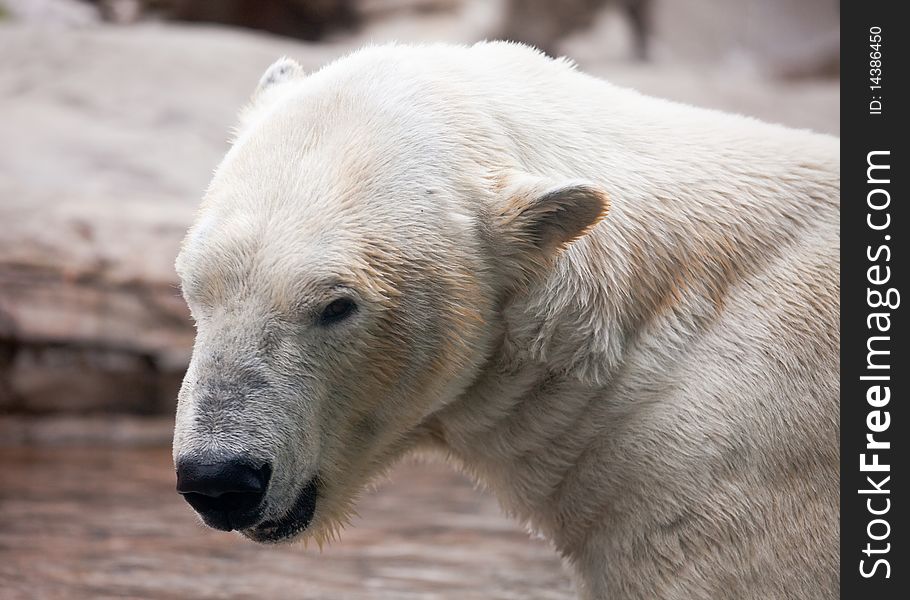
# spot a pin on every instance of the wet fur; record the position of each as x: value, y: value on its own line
x: 658, y: 397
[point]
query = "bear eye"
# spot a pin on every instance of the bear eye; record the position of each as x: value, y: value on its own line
x: 337, y: 310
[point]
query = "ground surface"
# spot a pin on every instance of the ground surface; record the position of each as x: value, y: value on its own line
x: 101, y: 521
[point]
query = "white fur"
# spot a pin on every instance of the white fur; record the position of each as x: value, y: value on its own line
x: 659, y: 399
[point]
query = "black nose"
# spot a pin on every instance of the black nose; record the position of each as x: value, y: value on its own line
x: 223, y: 491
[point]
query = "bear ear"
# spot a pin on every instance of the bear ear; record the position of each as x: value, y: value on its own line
x: 540, y: 217
x: 281, y: 71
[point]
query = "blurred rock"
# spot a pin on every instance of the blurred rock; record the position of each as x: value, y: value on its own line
x: 110, y: 136
x: 51, y: 12
x: 92, y: 318
x: 305, y: 19
x: 818, y: 57
x: 122, y: 11
x: 736, y: 33
x: 373, y: 9
x: 107, y: 431
x: 545, y: 24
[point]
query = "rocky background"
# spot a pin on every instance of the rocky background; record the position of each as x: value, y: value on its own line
x: 113, y: 114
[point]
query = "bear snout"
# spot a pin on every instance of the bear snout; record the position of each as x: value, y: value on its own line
x: 226, y: 491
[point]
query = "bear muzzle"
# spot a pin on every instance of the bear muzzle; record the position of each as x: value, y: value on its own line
x: 297, y: 518
x: 227, y: 492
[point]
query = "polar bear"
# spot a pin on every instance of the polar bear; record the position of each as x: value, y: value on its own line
x: 618, y: 313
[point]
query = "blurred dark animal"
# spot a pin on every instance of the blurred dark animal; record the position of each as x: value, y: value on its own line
x: 543, y: 23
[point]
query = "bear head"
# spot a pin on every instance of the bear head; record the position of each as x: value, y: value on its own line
x: 345, y: 273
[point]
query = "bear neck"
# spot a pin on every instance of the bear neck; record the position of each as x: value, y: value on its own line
x: 625, y: 302
x: 700, y: 202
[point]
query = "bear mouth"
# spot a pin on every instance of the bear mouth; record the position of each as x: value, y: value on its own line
x: 296, y: 520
